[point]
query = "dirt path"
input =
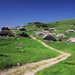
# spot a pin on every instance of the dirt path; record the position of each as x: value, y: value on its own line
x: 32, y: 68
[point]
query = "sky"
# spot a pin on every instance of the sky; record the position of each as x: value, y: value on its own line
x: 19, y: 12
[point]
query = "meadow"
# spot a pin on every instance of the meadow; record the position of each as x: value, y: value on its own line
x: 66, y: 67
x: 19, y: 50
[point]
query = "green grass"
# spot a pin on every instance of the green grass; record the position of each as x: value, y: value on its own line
x: 66, y: 67
x: 11, y: 53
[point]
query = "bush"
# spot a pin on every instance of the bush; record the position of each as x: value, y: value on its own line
x: 4, y: 55
x: 22, y: 29
x: 24, y: 34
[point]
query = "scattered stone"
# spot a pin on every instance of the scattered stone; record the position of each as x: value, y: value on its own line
x: 72, y: 39
x: 52, y: 29
x: 69, y: 31
x: 18, y: 64
x: 49, y: 37
x: 40, y: 33
x: 60, y: 37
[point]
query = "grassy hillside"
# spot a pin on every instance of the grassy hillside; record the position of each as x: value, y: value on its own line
x: 12, y: 53
x: 66, y: 67
x: 60, y: 26
x: 32, y: 51
x: 63, y: 25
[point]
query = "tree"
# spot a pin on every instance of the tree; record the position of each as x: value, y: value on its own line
x: 38, y: 24
x: 43, y: 25
x: 22, y: 29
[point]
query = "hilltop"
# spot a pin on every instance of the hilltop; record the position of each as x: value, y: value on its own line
x: 61, y: 23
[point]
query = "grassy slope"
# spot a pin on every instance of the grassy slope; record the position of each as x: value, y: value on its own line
x: 63, y: 25
x: 34, y: 51
x: 60, y: 26
x: 66, y: 67
x: 11, y: 54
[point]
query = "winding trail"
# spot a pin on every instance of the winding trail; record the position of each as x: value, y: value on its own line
x: 32, y: 68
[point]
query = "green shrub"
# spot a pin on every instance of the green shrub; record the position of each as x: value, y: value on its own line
x: 24, y: 34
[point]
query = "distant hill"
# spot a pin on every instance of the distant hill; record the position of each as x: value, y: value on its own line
x: 61, y: 24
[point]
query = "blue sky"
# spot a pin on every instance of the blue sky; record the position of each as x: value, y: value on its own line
x: 20, y: 12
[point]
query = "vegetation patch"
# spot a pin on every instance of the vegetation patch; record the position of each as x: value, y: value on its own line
x: 20, y: 50
x: 65, y: 67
